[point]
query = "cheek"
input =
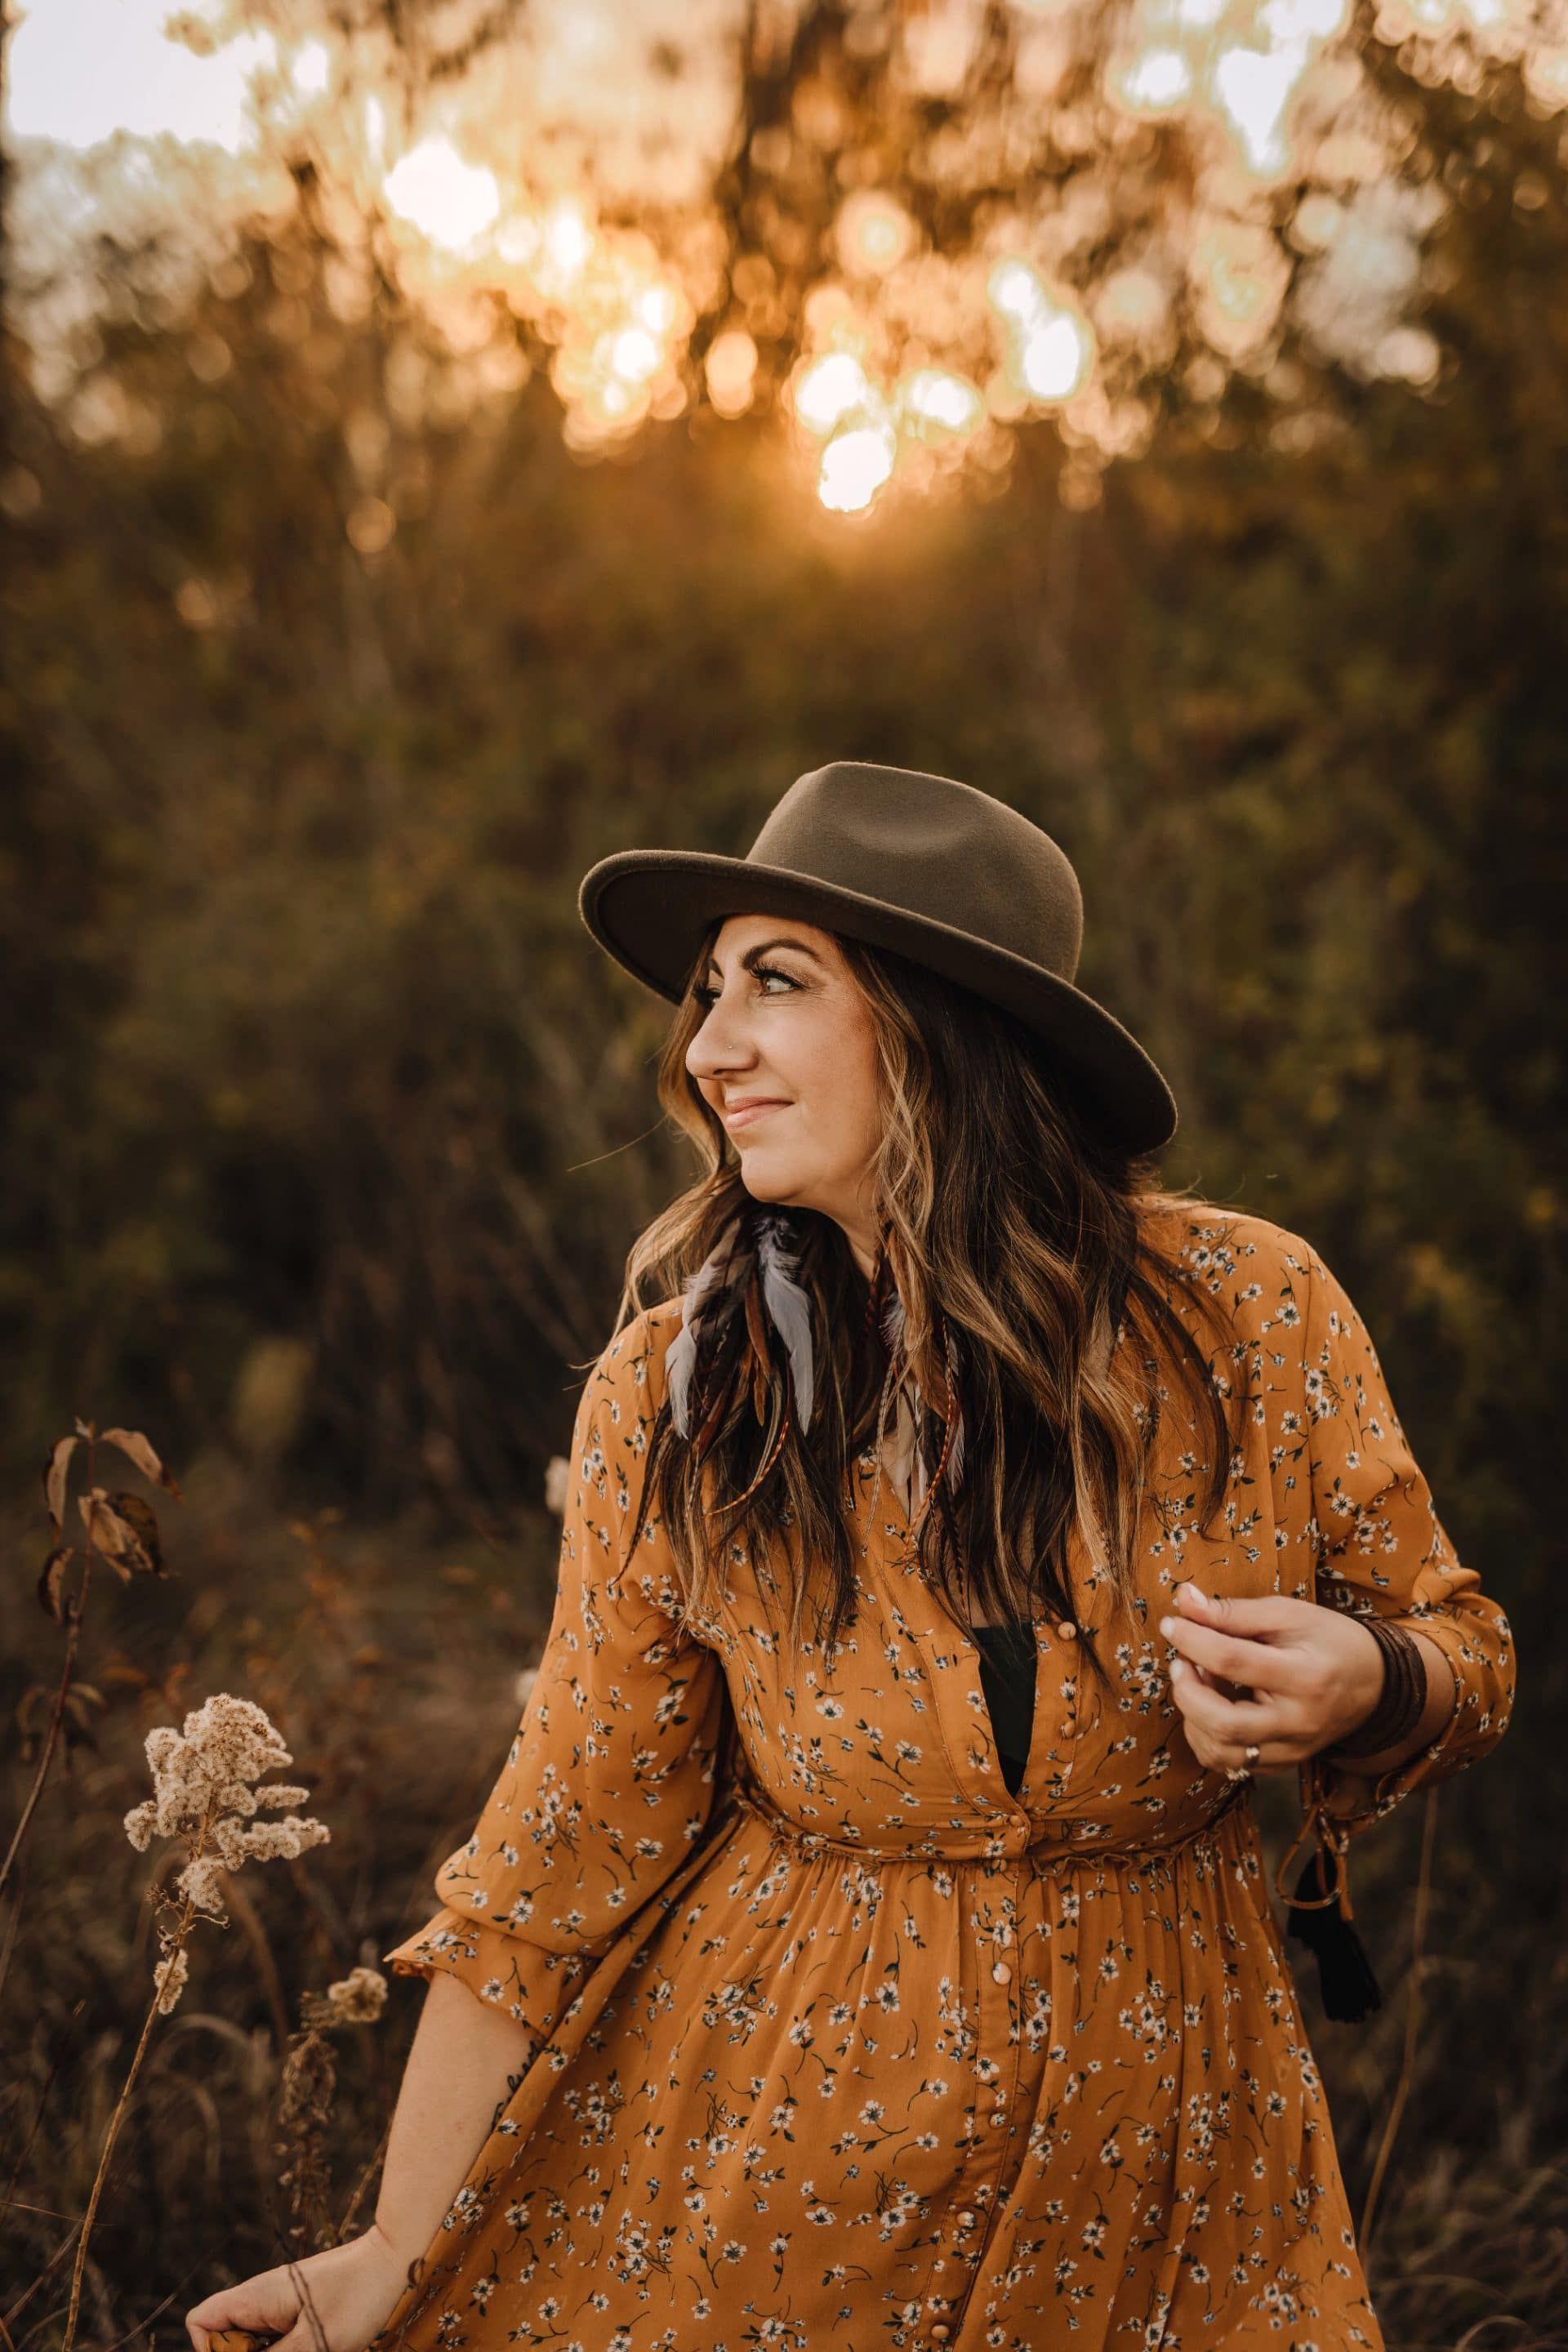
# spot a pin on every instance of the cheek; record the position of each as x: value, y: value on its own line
x: 839, y: 1087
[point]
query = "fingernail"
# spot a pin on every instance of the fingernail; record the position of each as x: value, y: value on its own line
x: 1167, y: 1626
x: 1178, y: 1666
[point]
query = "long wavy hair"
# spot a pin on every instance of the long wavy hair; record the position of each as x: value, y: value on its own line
x: 1036, y: 1315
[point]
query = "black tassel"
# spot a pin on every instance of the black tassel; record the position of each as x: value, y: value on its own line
x: 1351, y: 1990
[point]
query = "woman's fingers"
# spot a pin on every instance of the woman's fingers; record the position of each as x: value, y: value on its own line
x: 1234, y: 1723
x: 1249, y: 1663
x: 234, y: 2319
x: 1271, y: 1617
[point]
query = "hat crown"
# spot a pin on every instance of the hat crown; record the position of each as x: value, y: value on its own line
x: 936, y: 846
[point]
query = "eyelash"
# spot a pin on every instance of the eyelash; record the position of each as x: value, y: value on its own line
x: 706, y: 997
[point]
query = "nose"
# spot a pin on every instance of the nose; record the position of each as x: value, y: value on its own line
x: 720, y: 1045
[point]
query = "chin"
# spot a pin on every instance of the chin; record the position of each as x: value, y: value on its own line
x: 765, y: 1183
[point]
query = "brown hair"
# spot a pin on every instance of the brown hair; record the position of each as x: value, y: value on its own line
x: 1009, y: 1219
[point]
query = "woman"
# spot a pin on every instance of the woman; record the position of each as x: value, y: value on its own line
x: 866, y: 1940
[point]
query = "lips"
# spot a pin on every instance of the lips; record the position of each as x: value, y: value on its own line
x: 741, y: 1114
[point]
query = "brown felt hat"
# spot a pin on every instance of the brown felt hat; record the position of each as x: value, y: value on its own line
x: 942, y: 873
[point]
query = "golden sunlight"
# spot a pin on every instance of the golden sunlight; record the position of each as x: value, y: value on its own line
x: 451, y: 202
x: 855, y: 466
x: 1077, y: 255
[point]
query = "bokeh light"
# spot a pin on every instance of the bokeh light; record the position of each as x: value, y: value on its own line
x: 546, y: 210
x: 451, y: 202
x: 855, y: 466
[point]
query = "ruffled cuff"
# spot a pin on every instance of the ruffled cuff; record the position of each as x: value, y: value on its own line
x: 499, y: 1966
x: 1354, y: 1801
x: 1337, y: 1804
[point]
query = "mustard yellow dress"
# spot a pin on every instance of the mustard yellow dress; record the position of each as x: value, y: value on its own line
x: 834, y: 2043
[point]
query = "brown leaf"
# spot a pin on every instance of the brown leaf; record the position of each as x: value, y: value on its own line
x: 135, y: 1446
x: 57, y: 1477
x: 35, y: 1701
x: 51, y: 1578
x: 125, y: 1531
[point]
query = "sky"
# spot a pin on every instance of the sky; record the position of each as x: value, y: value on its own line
x: 79, y: 71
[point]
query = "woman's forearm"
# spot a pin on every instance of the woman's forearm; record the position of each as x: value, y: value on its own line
x: 463, y: 2060
x: 1440, y: 1695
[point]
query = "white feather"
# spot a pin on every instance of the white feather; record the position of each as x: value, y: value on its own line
x: 680, y: 1360
x: 789, y: 1310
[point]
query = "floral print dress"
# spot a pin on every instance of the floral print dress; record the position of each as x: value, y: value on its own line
x: 833, y: 2042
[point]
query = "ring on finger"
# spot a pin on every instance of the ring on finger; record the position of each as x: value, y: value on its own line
x: 1249, y: 1764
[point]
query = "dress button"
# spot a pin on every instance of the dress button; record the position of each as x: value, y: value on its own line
x: 1067, y: 1630
x: 940, y: 2331
x: 1002, y: 1972
x: 965, y: 2220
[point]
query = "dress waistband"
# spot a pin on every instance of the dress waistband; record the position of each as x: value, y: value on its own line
x: 1046, y: 1851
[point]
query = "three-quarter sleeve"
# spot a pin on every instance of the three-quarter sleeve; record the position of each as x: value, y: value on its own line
x: 610, y: 1777
x: 1382, y: 1550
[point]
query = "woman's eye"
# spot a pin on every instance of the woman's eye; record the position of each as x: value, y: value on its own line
x: 709, y: 996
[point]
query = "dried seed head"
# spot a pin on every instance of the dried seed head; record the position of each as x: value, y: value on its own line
x: 170, y: 1976
x: 203, y: 1793
x: 202, y: 1880
x: 357, y: 1998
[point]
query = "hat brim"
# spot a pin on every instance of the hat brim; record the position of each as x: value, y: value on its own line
x: 648, y: 909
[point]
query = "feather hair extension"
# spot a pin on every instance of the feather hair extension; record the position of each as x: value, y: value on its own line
x: 892, y: 1325
x: 892, y: 1317
x: 955, y: 1455
x: 789, y: 1310
x: 757, y: 1334
x: 680, y: 1360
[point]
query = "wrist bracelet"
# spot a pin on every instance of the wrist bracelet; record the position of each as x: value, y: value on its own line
x: 1402, y: 1700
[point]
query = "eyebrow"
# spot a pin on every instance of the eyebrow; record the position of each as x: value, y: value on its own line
x: 752, y: 956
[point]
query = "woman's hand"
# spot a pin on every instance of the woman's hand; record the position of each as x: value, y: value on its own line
x: 352, y: 2290
x: 1287, y: 1676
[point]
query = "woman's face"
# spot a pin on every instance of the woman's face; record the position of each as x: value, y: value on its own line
x: 788, y: 1030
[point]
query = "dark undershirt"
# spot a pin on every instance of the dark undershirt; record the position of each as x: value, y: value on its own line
x: 1008, y: 1656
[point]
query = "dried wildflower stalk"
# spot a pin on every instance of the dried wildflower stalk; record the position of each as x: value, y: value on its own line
x: 205, y: 1794
x: 121, y: 1530
x: 306, y: 2097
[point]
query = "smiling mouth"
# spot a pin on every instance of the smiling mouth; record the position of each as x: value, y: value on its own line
x: 749, y: 1111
